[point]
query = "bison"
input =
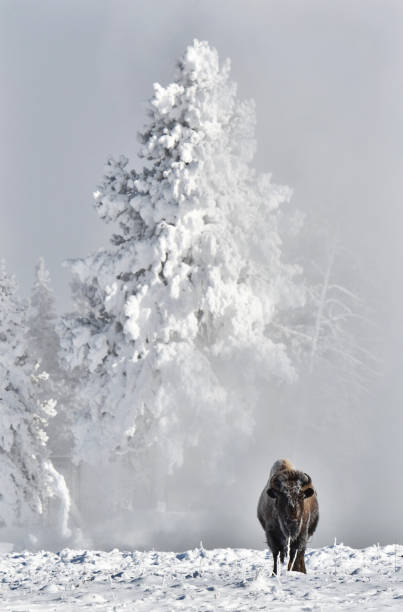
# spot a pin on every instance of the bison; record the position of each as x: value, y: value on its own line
x: 288, y: 511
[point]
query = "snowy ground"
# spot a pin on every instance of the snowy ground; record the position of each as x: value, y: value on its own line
x: 339, y: 578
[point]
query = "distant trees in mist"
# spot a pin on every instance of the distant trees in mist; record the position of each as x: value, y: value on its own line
x: 30, y: 487
x: 179, y: 325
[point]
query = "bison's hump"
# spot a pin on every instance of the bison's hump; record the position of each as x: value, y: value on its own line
x: 280, y: 465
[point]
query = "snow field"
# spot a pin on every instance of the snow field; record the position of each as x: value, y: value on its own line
x: 339, y: 578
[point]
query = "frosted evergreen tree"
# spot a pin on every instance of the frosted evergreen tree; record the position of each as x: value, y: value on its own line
x: 44, y: 342
x: 44, y: 348
x: 170, y: 330
x: 29, y: 483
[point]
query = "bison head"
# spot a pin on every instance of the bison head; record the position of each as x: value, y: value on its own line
x: 290, y: 489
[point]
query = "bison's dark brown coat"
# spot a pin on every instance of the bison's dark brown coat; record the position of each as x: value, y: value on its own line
x: 289, y: 513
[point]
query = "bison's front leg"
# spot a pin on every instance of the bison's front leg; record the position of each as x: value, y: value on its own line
x: 296, y: 561
x: 276, y: 549
x: 277, y: 555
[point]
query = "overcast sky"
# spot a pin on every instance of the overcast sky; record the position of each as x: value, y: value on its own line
x: 327, y: 79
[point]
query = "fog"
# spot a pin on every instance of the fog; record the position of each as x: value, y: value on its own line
x: 327, y: 80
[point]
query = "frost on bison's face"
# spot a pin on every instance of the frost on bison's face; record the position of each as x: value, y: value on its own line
x: 289, y: 491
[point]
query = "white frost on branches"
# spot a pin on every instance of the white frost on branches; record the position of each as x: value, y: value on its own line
x: 28, y: 480
x: 170, y: 331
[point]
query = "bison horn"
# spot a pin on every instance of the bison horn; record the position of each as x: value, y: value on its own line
x: 308, y: 480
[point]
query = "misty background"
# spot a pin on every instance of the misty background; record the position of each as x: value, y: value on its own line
x: 327, y: 81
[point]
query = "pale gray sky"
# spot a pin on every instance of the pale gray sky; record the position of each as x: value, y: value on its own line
x: 327, y: 79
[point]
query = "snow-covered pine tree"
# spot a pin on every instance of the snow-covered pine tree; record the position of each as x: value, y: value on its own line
x: 28, y: 479
x: 44, y: 346
x: 170, y: 330
x: 44, y: 343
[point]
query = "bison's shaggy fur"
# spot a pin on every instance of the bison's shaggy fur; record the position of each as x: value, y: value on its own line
x: 289, y: 513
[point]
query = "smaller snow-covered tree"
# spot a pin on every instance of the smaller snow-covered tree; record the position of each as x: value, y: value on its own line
x: 44, y: 346
x: 28, y: 479
x: 43, y: 340
x: 340, y: 324
x: 332, y: 335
